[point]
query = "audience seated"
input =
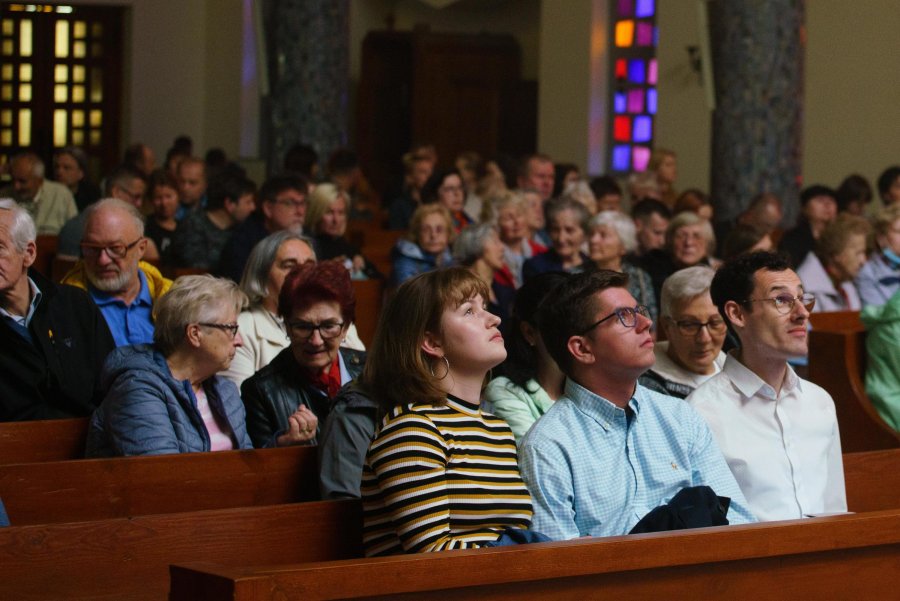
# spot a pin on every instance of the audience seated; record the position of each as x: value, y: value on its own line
x: 472, y: 171
x: 613, y: 239
x: 818, y: 209
x: 882, y: 323
x: 70, y: 169
x: 779, y: 433
x: 536, y: 219
x: 529, y: 379
x: 140, y: 158
x: 192, y: 180
x: 317, y: 305
x: 663, y: 165
x: 643, y: 185
x: 695, y: 201
x: 326, y: 221
x: 445, y: 187
x: 889, y: 185
x: 563, y: 175
x: 201, y: 235
x: 425, y: 487
x: 162, y: 224
x: 53, y: 339
x: 345, y: 172
x: 282, y: 206
x: 651, y: 218
x: 744, y: 238
x: 854, y: 195
x: 839, y: 255
x: 302, y: 159
x: 764, y: 213
x: 608, y: 193
x: 512, y: 215
x: 427, y: 245
x: 479, y: 249
x: 567, y: 223
x: 536, y: 172
x: 166, y: 397
x: 123, y: 287
x: 50, y: 204
x: 879, y: 279
x: 610, y: 451
x: 581, y: 192
x: 695, y: 332
x: 417, y: 168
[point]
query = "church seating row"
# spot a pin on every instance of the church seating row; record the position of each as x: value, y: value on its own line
x: 129, y: 557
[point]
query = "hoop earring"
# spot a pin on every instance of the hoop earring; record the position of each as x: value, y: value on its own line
x: 446, y: 373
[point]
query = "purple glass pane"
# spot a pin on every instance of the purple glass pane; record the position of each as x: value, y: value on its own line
x: 642, y: 129
x: 651, y: 101
x: 636, y: 101
x: 652, y: 72
x: 626, y: 8
x: 644, y: 34
x: 637, y: 70
x: 656, y: 36
x: 645, y: 8
x: 621, y: 158
x: 641, y: 158
x: 619, y: 103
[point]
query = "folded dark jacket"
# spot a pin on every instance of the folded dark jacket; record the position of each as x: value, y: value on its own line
x: 692, y: 507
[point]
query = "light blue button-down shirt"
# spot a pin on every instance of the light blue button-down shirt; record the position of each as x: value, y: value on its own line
x: 594, y: 471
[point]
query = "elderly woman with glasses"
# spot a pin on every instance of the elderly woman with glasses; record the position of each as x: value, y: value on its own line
x: 167, y: 397
x: 288, y: 399
x: 695, y: 333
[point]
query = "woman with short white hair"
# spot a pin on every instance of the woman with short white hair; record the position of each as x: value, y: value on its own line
x: 613, y: 237
x: 166, y: 397
x: 479, y: 249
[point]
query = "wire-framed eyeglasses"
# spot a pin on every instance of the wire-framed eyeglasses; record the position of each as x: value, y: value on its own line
x: 784, y: 303
x: 627, y: 317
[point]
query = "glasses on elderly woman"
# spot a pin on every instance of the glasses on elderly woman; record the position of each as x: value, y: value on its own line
x: 230, y: 328
x: 327, y: 329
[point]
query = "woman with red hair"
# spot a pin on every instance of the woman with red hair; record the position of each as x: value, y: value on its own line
x: 288, y: 399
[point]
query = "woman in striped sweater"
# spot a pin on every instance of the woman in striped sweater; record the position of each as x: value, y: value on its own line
x: 440, y: 473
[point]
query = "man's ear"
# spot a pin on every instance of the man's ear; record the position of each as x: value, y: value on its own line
x: 529, y: 333
x: 30, y: 254
x: 734, y: 311
x: 581, y: 349
x: 431, y: 345
x: 142, y: 247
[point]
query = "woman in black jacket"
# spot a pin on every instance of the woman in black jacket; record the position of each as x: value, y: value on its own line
x: 294, y: 392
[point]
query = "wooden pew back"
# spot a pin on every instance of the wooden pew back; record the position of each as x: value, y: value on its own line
x: 97, y: 489
x: 872, y: 480
x: 44, y: 440
x: 129, y: 558
x: 848, y: 556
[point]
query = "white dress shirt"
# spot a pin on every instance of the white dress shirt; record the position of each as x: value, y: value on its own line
x: 784, y: 450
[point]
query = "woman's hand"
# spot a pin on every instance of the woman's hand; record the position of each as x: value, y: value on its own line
x: 359, y: 263
x: 302, y: 426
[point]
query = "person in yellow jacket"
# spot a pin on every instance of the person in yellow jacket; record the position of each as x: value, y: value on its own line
x: 123, y: 287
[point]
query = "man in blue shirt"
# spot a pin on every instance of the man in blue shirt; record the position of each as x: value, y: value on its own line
x: 111, y: 270
x: 610, y: 451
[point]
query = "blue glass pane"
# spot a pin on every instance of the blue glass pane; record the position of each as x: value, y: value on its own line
x: 656, y: 37
x: 621, y: 158
x: 643, y: 129
x: 644, y: 8
x: 637, y: 71
x: 619, y: 103
x: 651, y: 101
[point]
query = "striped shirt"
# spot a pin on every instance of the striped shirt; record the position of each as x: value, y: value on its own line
x: 439, y: 478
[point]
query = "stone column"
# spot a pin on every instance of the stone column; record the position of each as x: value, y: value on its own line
x: 309, y: 74
x: 757, y: 48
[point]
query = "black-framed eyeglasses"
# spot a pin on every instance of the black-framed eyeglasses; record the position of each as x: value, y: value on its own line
x: 784, y: 303
x: 291, y: 203
x: 627, y: 317
x: 115, y: 251
x: 689, y: 327
x: 230, y: 328
x: 327, y: 329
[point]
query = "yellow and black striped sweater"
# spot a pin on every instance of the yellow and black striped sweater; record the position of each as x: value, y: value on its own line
x: 439, y: 478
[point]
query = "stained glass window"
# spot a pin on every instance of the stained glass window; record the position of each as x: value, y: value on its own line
x: 634, y: 94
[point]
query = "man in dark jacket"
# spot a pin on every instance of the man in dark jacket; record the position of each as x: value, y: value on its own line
x: 53, y: 339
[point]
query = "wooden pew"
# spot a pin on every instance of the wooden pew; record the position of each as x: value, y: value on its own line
x: 837, y: 363
x: 872, y: 480
x: 129, y: 558
x: 96, y: 489
x: 46, y: 250
x: 43, y: 440
x: 369, y: 298
x: 841, y: 557
x: 834, y: 321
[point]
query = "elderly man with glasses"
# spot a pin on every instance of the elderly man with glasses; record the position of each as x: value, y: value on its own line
x: 778, y: 432
x: 610, y: 451
x: 123, y: 287
x: 695, y: 332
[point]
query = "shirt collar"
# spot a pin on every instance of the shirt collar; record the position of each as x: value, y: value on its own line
x: 32, y: 306
x: 143, y: 298
x: 750, y: 385
x: 599, y: 408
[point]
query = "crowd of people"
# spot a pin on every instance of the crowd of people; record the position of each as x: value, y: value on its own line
x: 557, y: 357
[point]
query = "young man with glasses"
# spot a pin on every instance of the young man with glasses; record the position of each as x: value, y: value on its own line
x: 123, y: 287
x: 610, y: 451
x: 778, y: 432
x: 695, y: 332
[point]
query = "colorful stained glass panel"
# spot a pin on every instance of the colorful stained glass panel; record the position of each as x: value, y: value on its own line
x: 621, y: 158
x: 620, y: 103
x: 644, y: 34
x: 651, y: 101
x: 652, y: 72
x: 622, y: 129
x: 640, y: 158
x: 637, y: 71
x: 626, y: 8
x: 643, y: 129
x: 645, y: 8
x: 625, y: 33
x: 636, y: 101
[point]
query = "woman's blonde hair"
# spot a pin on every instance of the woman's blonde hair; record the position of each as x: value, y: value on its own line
x: 397, y: 370
x: 424, y: 211
x: 318, y: 202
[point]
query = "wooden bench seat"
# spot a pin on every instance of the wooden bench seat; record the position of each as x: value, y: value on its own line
x: 96, y: 489
x: 841, y: 557
x: 42, y: 440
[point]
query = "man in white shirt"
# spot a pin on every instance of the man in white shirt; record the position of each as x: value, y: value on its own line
x: 778, y: 432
